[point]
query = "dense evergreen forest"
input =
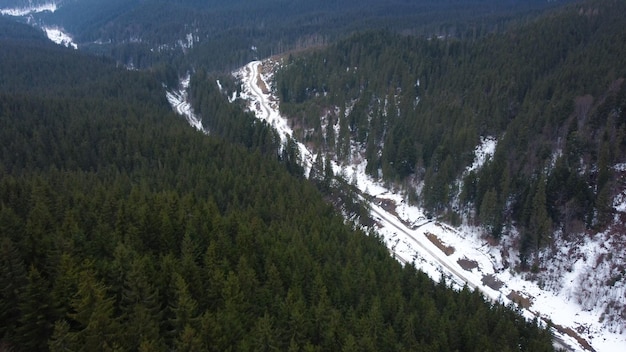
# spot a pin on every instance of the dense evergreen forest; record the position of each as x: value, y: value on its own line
x: 121, y: 228
x: 222, y: 35
x: 549, y: 90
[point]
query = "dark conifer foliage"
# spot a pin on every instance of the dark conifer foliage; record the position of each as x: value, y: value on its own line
x: 227, y: 120
x: 121, y: 228
x: 228, y: 34
x: 550, y: 90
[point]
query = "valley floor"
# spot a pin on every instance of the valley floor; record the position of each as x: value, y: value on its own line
x: 461, y: 255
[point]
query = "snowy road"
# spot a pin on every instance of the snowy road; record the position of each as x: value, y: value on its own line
x: 179, y: 101
x: 436, y: 248
x: 253, y: 76
x: 433, y: 254
x: 265, y: 107
x: 424, y: 248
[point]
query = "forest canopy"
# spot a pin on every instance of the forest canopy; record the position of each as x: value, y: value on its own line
x: 121, y: 228
x: 550, y: 91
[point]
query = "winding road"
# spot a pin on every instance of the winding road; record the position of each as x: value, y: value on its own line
x: 256, y: 90
x: 260, y: 102
x: 181, y: 105
x: 423, y: 247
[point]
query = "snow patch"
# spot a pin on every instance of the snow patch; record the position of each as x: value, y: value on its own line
x: 187, y: 43
x: 619, y: 203
x: 179, y: 100
x: 53, y: 33
x: 620, y: 167
x: 483, y: 152
x: 58, y: 36
x: 28, y: 10
x: 443, y: 251
x: 265, y: 106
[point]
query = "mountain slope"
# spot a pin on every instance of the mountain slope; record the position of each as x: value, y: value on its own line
x: 123, y: 229
x: 222, y: 35
x: 428, y: 102
x: 572, y: 296
x: 551, y: 98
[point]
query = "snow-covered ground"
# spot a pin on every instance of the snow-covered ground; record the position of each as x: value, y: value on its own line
x: 54, y: 33
x: 27, y: 10
x: 256, y: 90
x: 179, y: 101
x: 460, y: 254
x: 483, y: 152
x: 58, y: 36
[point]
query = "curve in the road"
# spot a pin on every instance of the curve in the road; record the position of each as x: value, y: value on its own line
x: 252, y: 80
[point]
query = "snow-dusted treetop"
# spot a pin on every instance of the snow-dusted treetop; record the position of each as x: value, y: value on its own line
x: 29, y: 8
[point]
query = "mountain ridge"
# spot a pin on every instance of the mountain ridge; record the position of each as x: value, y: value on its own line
x: 550, y: 193
x: 147, y: 33
x: 121, y: 228
x: 569, y: 194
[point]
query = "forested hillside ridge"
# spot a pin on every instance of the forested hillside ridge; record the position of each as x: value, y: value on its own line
x: 462, y: 256
x: 550, y: 95
x: 221, y: 35
x: 418, y: 108
x: 121, y: 228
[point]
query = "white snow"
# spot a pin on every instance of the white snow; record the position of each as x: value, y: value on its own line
x: 620, y: 167
x: 53, y: 33
x: 58, y: 36
x: 25, y: 11
x: 179, y: 100
x: 619, y: 202
x: 405, y: 236
x: 404, y: 230
x: 185, y: 44
x: 261, y: 103
x: 483, y: 152
x: 190, y: 40
x: 265, y: 106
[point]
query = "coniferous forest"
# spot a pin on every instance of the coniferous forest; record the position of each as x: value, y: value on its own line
x: 224, y: 35
x: 550, y: 90
x: 121, y: 228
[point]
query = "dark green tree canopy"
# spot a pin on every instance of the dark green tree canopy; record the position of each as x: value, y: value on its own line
x: 121, y: 228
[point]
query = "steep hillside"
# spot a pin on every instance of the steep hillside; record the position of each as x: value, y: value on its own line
x: 549, y: 96
x: 123, y: 229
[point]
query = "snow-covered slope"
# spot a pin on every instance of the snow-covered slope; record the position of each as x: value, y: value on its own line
x: 53, y: 32
x: 255, y: 90
x: 29, y: 8
x: 58, y: 36
x: 462, y: 254
x: 179, y: 101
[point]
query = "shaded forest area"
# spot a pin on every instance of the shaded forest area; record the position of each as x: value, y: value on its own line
x: 121, y: 228
x: 228, y: 34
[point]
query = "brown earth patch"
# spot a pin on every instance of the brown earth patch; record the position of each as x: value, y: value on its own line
x: 467, y: 265
x: 492, y: 241
x: 261, y: 84
x: 572, y: 333
x: 388, y: 205
x: 526, y: 302
x: 492, y: 282
x: 520, y: 299
x: 435, y: 240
